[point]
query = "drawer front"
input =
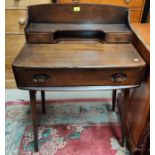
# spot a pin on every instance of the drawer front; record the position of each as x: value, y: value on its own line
x: 135, y: 15
x: 126, y: 3
x: 77, y: 77
x: 39, y: 38
x: 118, y: 37
x: 14, y: 43
x: 15, y: 21
x: 24, y: 3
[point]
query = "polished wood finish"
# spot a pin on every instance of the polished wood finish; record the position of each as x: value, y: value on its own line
x: 64, y: 13
x: 53, y: 33
x: 142, y: 34
x: 113, y: 99
x: 43, y: 102
x: 56, y: 25
x: 99, y: 64
x: 77, y: 65
x: 25, y: 3
x: 34, y: 118
x: 135, y: 7
x: 61, y: 56
x: 13, y: 25
x: 16, y: 14
x: 137, y: 112
x: 135, y: 3
x: 14, y: 43
x: 135, y: 15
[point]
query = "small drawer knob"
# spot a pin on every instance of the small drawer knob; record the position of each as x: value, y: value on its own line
x: 118, y: 77
x: 40, y: 78
x: 21, y: 21
x: 127, y: 1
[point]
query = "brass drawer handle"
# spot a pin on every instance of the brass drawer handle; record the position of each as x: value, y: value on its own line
x: 127, y: 1
x: 21, y: 21
x: 76, y: 1
x: 40, y: 78
x: 118, y: 77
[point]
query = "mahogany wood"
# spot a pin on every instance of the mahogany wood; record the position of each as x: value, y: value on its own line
x: 53, y: 23
x: 113, y: 99
x: 34, y: 117
x: 137, y: 112
x: 60, y: 56
x: 59, y: 63
x: 64, y: 13
x: 43, y: 102
x: 72, y: 65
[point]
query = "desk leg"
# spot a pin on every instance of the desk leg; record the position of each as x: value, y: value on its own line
x: 124, y: 115
x: 43, y: 101
x: 113, y: 100
x: 34, y: 117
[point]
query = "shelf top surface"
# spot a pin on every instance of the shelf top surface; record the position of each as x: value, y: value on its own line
x: 47, y: 27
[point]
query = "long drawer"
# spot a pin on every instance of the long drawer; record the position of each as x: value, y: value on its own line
x: 77, y: 77
x: 47, y: 65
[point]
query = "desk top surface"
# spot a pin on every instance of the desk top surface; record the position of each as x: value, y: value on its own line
x: 78, y: 56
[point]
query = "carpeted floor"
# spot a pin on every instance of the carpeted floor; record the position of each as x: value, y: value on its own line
x: 70, y: 127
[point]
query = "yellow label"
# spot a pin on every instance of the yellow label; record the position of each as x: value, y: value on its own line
x: 76, y: 9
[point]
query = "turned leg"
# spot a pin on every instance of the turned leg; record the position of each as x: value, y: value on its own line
x: 113, y: 99
x: 34, y: 117
x: 43, y: 101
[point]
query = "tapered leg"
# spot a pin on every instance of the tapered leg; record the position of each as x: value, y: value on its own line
x: 43, y: 101
x: 34, y: 118
x: 113, y: 99
x: 124, y: 115
x: 123, y: 136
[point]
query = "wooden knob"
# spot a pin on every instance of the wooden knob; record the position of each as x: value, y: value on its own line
x: 21, y: 21
x: 127, y: 1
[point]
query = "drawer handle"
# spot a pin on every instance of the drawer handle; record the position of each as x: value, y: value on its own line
x: 127, y: 1
x: 21, y: 21
x: 119, y: 77
x: 40, y: 78
x: 76, y: 1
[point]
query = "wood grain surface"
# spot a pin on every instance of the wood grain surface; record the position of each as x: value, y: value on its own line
x: 78, y: 56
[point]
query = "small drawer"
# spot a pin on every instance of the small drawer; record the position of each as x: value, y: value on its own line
x: 39, y: 38
x: 77, y: 77
x: 118, y: 37
x: 24, y: 3
x: 15, y: 21
x: 126, y: 3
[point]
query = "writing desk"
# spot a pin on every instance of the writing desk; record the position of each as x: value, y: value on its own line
x: 67, y: 59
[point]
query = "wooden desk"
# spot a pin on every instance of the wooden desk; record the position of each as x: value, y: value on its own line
x: 71, y: 67
x: 76, y: 50
x: 136, y: 112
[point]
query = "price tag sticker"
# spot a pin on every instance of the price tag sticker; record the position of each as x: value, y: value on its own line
x: 76, y: 9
